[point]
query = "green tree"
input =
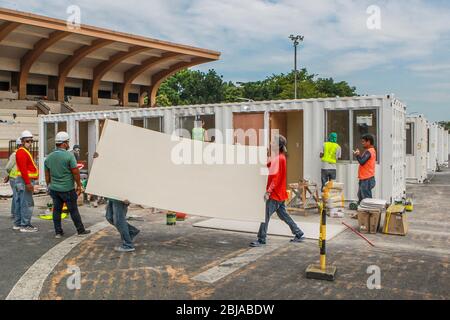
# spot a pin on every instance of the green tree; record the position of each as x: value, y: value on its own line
x: 445, y: 124
x: 196, y: 87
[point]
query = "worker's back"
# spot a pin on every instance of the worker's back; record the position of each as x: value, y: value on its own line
x: 198, y: 134
x: 59, y: 163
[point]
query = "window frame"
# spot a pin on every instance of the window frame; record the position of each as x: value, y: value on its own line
x: 351, y: 124
x: 412, y: 136
x: 145, y: 122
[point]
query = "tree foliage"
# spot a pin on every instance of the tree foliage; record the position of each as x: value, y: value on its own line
x: 196, y: 87
x: 445, y: 124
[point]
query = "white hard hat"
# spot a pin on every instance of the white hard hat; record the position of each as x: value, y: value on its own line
x: 18, y: 141
x: 61, y: 137
x: 26, y: 134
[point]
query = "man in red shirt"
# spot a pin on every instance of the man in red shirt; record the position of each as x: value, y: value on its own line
x: 27, y: 172
x: 276, y: 194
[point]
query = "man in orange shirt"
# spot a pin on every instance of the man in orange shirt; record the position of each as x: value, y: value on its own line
x: 367, y: 162
x: 27, y: 173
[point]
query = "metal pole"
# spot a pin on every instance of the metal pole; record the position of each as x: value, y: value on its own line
x: 296, y: 40
x: 295, y: 69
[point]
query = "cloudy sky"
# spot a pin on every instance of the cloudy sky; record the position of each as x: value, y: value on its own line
x: 409, y: 55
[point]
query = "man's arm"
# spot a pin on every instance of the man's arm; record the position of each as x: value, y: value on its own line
x: 275, y: 171
x: 11, y: 163
x: 48, y: 178
x: 21, y: 163
x: 338, y: 153
x: 76, y: 173
x: 364, y: 158
x: 77, y: 178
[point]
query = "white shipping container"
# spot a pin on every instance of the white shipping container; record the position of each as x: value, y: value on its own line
x: 416, y: 149
x: 442, y: 153
x: 433, y: 131
x: 304, y: 122
x: 446, y: 148
x: 448, y: 144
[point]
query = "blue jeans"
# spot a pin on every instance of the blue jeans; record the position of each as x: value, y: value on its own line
x: 24, y: 204
x: 14, y: 204
x: 365, y: 188
x: 116, y: 214
x: 70, y: 199
x: 273, y: 206
x: 327, y: 175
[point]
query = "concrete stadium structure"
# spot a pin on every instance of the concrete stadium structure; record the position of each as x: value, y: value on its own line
x: 48, y: 66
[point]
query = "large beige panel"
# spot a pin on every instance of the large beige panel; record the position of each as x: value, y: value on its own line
x: 137, y: 164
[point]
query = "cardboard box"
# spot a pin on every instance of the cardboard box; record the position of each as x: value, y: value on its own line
x: 369, y: 221
x: 374, y: 221
x: 396, y: 223
x: 364, y: 221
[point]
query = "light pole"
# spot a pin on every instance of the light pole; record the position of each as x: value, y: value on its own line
x: 296, y: 40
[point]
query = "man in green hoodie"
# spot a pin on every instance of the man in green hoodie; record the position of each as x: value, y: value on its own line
x: 331, y: 152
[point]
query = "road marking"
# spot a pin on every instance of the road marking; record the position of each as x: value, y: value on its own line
x: 228, y: 267
x: 30, y: 284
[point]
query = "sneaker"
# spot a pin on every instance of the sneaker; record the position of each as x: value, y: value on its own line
x: 257, y: 244
x: 29, y: 229
x: 298, y: 238
x: 59, y: 235
x: 16, y: 227
x: 123, y: 249
x: 85, y: 232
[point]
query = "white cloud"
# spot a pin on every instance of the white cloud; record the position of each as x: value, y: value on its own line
x: 253, y: 34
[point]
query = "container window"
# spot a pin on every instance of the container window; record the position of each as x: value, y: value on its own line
x: 410, y: 139
x: 339, y: 121
x: 364, y: 122
x: 138, y: 123
x: 50, y: 133
x: 155, y: 124
x: 428, y: 140
x: 187, y: 123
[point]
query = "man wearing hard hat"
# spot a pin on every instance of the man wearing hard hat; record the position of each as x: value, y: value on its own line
x: 11, y: 170
x: 61, y: 174
x: 27, y: 174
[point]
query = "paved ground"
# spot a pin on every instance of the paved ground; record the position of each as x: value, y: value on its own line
x: 168, y: 259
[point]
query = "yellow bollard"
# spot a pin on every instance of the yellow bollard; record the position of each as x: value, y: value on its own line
x: 322, y: 272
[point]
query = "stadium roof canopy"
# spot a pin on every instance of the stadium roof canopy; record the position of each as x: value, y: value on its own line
x: 33, y: 44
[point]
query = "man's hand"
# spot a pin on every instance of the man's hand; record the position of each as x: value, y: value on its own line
x: 357, y: 153
x: 79, y: 190
x: 95, y: 155
x: 321, y: 155
x: 127, y: 203
x: 6, y: 180
x: 29, y: 187
x: 266, y: 197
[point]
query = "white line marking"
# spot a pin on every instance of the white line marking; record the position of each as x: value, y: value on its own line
x: 228, y: 267
x: 30, y: 284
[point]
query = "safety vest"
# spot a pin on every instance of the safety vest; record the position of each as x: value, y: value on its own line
x: 35, y: 173
x: 367, y: 170
x: 14, y: 173
x: 329, y: 152
x: 198, y: 134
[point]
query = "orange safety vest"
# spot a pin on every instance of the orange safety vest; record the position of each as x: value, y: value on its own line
x: 32, y: 174
x: 367, y: 170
